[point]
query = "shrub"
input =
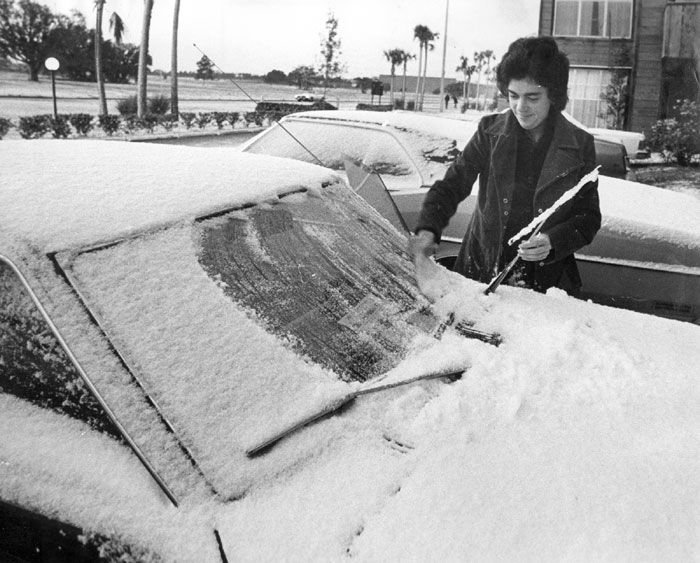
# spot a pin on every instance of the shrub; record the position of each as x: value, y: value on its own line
x: 187, y: 119
x: 127, y: 106
x: 219, y: 117
x: 34, y: 126
x: 233, y: 118
x: 109, y: 123
x: 678, y: 137
x: 253, y: 117
x: 5, y: 126
x: 203, y: 119
x: 60, y: 128
x: 148, y: 122
x: 374, y: 107
x: 167, y: 121
x: 398, y: 104
x: 81, y: 122
x: 411, y: 105
x: 158, y: 105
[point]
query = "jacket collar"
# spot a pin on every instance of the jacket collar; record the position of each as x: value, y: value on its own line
x: 562, y: 155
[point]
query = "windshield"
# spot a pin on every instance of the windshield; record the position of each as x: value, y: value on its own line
x: 230, y: 320
x: 332, y: 143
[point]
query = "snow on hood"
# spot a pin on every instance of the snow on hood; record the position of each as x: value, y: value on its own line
x: 60, y: 193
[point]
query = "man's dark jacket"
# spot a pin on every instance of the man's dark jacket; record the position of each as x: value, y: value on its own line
x: 491, y: 155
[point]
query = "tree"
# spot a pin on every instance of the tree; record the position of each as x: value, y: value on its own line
x: 142, y: 97
x: 275, y: 77
x: 205, y: 69
x: 482, y: 59
x: 116, y: 25
x: 174, y: 97
x: 467, y: 70
x: 395, y: 57
x: 425, y: 38
x: 303, y: 76
x: 331, y: 66
x: 28, y: 33
x: 405, y: 57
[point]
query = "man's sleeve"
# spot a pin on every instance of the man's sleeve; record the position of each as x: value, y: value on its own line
x: 445, y: 195
x: 583, y: 220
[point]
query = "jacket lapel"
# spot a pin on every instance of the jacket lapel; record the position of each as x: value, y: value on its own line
x: 562, y: 155
x: 503, y: 154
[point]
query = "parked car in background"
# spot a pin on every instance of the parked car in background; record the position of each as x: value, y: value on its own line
x: 646, y: 256
x: 164, y: 308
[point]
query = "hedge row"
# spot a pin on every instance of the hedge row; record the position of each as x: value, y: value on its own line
x: 82, y: 124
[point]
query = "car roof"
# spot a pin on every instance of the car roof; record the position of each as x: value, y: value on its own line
x: 111, y: 191
x: 459, y: 129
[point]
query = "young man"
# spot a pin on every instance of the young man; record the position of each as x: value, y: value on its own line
x: 525, y: 159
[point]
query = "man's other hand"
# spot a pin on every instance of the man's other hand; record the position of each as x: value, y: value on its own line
x: 535, y: 249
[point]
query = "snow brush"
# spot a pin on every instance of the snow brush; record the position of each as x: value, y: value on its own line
x: 537, y: 223
x: 336, y: 404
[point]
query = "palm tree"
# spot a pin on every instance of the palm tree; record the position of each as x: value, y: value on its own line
x: 141, y: 99
x: 405, y: 57
x: 467, y: 70
x: 426, y: 41
x: 429, y: 46
x: 174, y: 106
x: 418, y: 33
x: 99, y: 74
x: 479, y: 60
x: 394, y: 56
x: 116, y: 26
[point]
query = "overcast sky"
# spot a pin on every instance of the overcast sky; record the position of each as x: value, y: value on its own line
x: 257, y: 36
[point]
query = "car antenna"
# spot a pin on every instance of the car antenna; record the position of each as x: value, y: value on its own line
x: 279, y: 124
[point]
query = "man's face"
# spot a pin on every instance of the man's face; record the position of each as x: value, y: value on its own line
x: 529, y: 102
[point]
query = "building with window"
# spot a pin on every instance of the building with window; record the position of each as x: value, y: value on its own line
x: 630, y: 59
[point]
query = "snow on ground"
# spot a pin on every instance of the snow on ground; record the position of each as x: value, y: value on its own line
x: 578, y: 438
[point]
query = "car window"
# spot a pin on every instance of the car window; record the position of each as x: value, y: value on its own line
x: 321, y: 280
x: 34, y: 366
x: 331, y: 143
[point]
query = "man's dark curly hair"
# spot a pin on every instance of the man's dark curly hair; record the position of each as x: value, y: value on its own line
x: 540, y: 59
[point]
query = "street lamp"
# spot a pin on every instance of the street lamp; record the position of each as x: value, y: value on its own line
x: 53, y: 65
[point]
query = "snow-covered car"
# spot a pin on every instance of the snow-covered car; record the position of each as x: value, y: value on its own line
x: 165, y: 310
x: 646, y: 256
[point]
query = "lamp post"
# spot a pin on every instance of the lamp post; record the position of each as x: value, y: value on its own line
x: 53, y: 65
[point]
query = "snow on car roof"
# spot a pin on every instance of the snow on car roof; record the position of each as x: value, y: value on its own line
x: 117, y: 188
x: 460, y: 130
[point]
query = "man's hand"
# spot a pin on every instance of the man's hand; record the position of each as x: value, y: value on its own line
x: 535, y: 249
x: 421, y: 245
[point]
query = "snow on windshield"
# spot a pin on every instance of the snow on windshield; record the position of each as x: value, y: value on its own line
x: 242, y: 319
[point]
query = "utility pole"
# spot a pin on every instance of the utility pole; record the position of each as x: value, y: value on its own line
x: 444, y: 54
